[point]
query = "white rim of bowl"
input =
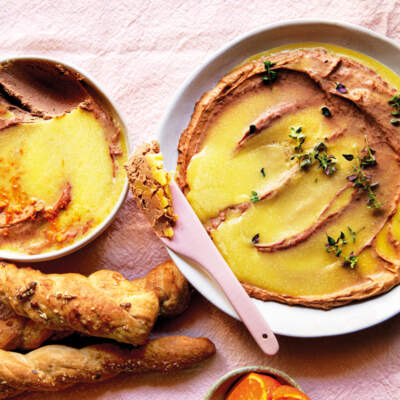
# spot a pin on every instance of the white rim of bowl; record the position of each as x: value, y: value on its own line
x: 223, y: 306
x: 99, y: 229
x: 234, y: 42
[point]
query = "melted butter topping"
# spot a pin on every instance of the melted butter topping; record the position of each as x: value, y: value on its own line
x: 227, y: 170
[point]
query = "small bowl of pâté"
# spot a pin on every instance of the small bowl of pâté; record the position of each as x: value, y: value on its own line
x: 62, y: 150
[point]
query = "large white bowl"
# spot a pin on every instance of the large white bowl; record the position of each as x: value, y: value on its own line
x: 284, y: 319
x: 110, y: 107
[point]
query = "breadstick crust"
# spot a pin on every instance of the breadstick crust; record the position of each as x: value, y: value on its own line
x: 20, y: 333
x: 7, y: 391
x: 170, y: 286
x: 75, y: 302
x: 56, y: 367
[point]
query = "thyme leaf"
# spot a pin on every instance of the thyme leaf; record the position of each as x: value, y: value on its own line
x: 352, y: 234
x: 348, y: 157
x: 256, y: 238
x: 262, y: 170
x: 350, y: 261
x: 296, y: 134
x: 395, y: 102
x: 326, y: 112
x: 335, y: 246
x: 270, y: 75
x: 306, y: 161
x: 254, y: 197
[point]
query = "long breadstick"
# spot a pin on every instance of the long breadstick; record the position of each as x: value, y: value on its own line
x: 104, y: 304
x: 56, y: 367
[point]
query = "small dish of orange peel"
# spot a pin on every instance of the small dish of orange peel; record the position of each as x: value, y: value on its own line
x: 256, y: 383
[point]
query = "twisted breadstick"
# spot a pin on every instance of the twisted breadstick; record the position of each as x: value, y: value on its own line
x: 75, y: 302
x: 20, y: 333
x: 171, y: 287
x: 56, y: 367
x: 165, y: 280
x: 122, y: 311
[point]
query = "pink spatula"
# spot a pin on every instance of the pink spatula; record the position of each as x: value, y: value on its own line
x: 191, y: 240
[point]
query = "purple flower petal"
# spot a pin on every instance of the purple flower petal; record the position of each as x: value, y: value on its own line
x: 341, y: 88
x: 351, y: 178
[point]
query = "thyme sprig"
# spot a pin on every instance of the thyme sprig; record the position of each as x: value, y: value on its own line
x: 369, y: 159
x: 305, y: 159
x: 319, y: 153
x: 326, y: 162
x: 270, y: 75
x: 395, y: 102
x: 361, y: 180
x: 336, y: 247
x: 296, y: 134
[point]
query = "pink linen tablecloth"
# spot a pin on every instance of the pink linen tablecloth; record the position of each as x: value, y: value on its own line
x: 140, y: 52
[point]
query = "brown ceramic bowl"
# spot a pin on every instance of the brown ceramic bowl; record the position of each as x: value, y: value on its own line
x: 220, y: 388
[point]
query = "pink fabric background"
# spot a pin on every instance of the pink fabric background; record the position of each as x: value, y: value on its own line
x: 140, y: 52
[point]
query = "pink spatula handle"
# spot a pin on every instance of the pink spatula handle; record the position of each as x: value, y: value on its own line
x: 191, y: 240
x: 238, y: 297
